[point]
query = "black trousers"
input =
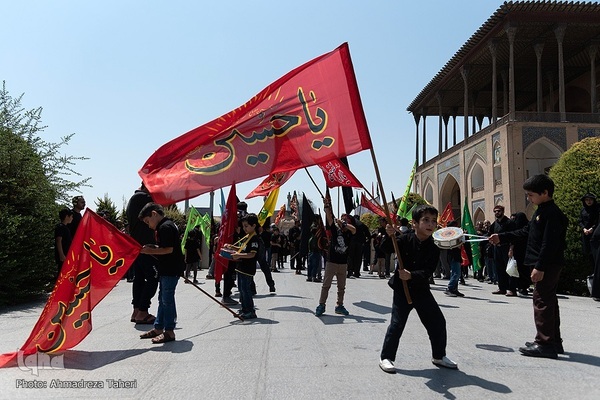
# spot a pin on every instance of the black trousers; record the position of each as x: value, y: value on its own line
x: 354, y: 259
x: 430, y: 315
x: 145, y: 281
x: 545, y: 308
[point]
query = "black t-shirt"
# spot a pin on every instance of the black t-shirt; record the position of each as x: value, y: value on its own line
x: 137, y: 228
x: 191, y: 250
x: 248, y: 265
x: 167, y: 235
x: 77, y: 217
x: 338, y: 246
x: 61, y: 230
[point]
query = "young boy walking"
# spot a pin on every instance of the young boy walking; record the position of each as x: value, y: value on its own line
x: 419, y: 256
x: 545, y: 234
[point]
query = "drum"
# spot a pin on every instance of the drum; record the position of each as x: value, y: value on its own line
x: 448, y: 238
x: 226, y: 253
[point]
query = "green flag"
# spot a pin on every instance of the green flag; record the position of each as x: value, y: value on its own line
x: 467, y: 225
x: 403, y: 207
x: 205, y: 228
x: 193, y: 220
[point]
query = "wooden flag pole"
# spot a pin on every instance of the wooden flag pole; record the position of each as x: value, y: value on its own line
x: 212, y: 298
x: 389, y: 221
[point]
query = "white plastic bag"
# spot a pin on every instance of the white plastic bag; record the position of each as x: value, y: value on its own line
x: 511, y: 268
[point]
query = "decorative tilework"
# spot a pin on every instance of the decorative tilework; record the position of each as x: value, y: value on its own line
x: 556, y: 135
x: 498, y: 199
x: 478, y: 204
x: 454, y: 171
x: 451, y: 162
x: 583, y: 133
x: 479, y: 148
x: 428, y: 174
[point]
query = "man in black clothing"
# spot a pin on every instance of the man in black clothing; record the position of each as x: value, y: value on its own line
x: 145, y: 280
x: 78, y: 207
x: 506, y: 284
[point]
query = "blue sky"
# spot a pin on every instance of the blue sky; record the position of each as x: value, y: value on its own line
x: 128, y: 76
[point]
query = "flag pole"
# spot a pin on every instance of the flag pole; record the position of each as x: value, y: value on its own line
x: 212, y: 298
x: 314, y: 183
x: 389, y: 221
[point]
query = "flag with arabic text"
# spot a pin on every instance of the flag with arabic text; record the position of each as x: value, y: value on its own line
x: 270, y: 183
x: 310, y: 115
x: 98, y: 258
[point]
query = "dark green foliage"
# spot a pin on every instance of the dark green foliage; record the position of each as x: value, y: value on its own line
x: 106, y: 205
x: 370, y: 220
x: 27, y: 218
x: 34, y: 180
x: 576, y: 173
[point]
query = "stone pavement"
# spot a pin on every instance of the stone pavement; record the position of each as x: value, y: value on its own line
x: 288, y: 353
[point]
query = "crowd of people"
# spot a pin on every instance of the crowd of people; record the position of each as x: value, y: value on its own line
x: 403, y: 253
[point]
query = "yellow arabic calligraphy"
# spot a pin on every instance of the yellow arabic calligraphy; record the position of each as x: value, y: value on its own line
x: 280, y: 126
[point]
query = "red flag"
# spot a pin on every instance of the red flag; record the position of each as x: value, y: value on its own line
x: 226, y: 231
x: 280, y: 214
x: 337, y: 174
x: 98, y: 258
x: 294, y: 206
x: 295, y: 122
x: 446, y: 216
x: 270, y: 183
x: 371, y: 205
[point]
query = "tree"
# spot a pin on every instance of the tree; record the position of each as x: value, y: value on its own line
x: 107, y: 206
x: 177, y: 216
x: 27, y: 215
x: 576, y: 173
x: 34, y: 179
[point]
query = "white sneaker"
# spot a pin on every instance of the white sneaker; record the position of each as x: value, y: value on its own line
x: 445, y: 362
x: 387, y: 366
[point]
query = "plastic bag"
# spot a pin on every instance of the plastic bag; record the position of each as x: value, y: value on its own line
x: 511, y: 268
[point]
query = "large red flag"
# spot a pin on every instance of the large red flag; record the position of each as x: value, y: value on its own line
x: 371, y: 205
x: 98, y: 258
x: 270, y: 183
x: 295, y: 122
x: 337, y: 174
x: 226, y: 233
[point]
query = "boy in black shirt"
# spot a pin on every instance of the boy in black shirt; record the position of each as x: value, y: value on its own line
x: 545, y: 233
x: 419, y: 256
x: 170, y: 267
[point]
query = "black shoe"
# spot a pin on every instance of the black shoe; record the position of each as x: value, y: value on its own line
x: 317, y: 280
x: 309, y: 279
x: 535, y: 350
x: 558, y: 347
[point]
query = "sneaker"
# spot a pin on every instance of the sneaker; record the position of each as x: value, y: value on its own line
x: 229, y: 301
x: 309, y: 279
x: 444, y: 362
x: 272, y: 290
x: 209, y: 276
x: 195, y: 280
x: 387, y: 366
x: 218, y: 294
x: 317, y: 280
x: 457, y: 293
x: 320, y: 310
x: 341, y: 310
x: 450, y: 293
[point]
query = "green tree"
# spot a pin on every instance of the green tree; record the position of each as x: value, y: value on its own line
x: 34, y: 179
x: 370, y: 220
x: 576, y: 173
x: 107, y: 206
x: 177, y: 216
x: 27, y: 215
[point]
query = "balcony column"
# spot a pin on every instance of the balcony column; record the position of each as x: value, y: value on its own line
x: 550, y: 77
x: 417, y: 117
x: 539, y: 47
x: 454, y: 115
x: 424, y: 146
x: 464, y: 71
x: 559, y: 32
x: 593, y: 50
x: 446, y: 120
x: 439, y: 97
x: 511, y: 32
x: 493, y: 46
x: 504, y: 75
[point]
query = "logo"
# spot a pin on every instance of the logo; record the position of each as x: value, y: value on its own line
x: 36, y: 361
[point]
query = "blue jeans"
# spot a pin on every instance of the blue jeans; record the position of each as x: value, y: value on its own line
x: 314, y: 264
x: 165, y: 317
x: 454, y: 275
x: 245, y: 289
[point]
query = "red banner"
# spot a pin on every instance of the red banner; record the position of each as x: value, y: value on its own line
x: 98, y: 258
x: 371, y: 205
x: 226, y: 232
x: 270, y: 183
x: 446, y: 216
x: 280, y: 214
x: 310, y: 115
x: 337, y: 174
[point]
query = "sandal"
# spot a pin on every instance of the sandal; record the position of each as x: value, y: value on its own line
x: 150, y: 334
x: 163, y: 338
x: 147, y: 320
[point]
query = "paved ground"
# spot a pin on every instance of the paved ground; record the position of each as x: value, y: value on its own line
x: 288, y: 353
